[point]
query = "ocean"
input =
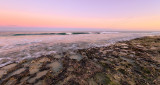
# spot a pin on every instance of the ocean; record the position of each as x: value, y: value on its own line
x: 16, y: 46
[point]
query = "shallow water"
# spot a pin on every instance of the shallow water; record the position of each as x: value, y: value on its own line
x: 30, y: 45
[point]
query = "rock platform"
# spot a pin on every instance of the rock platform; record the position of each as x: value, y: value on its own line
x: 134, y: 62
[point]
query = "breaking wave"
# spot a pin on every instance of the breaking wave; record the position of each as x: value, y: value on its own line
x: 63, y: 33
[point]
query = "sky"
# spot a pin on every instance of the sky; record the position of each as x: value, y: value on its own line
x: 79, y: 15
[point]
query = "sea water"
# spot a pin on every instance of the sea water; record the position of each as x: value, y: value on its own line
x: 16, y: 46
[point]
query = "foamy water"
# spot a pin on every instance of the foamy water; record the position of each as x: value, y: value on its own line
x: 16, y: 48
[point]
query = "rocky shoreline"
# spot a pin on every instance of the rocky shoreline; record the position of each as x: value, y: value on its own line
x: 134, y: 62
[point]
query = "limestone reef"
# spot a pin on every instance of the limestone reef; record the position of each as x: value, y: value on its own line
x: 134, y: 62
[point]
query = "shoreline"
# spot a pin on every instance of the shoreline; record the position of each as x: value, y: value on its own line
x: 17, y: 48
x: 136, y: 61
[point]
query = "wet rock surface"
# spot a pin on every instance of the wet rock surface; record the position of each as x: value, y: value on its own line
x: 134, y: 62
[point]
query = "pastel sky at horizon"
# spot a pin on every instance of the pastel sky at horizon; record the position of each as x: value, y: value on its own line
x: 79, y: 15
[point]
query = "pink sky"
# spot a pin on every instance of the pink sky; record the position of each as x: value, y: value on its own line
x: 46, y: 15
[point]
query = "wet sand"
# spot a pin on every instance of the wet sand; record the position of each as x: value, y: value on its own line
x: 134, y: 62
